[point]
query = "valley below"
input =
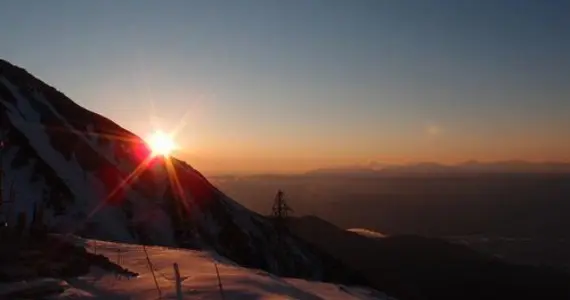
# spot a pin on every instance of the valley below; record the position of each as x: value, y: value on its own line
x: 518, y: 217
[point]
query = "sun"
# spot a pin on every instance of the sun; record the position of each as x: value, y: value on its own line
x: 161, y: 143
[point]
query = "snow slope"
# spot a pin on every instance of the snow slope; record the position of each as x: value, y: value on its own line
x: 199, y: 279
x: 95, y: 179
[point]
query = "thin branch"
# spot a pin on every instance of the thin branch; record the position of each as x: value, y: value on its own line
x: 152, y: 271
x: 219, y: 282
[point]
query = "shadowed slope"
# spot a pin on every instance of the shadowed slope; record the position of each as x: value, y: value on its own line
x: 97, y: 179
x: 414, y: 267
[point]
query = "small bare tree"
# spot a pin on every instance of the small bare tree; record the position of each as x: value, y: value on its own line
x: 281, y: 212
x: 4, y: 202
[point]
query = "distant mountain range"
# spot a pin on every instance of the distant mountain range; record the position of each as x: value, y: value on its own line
x: 469, y: 167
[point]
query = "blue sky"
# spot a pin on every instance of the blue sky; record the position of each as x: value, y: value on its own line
x: 322, y: 82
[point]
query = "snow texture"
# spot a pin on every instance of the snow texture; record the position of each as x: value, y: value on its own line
x: 198, y: 278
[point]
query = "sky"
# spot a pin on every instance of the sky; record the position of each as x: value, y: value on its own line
x: 286, y: 86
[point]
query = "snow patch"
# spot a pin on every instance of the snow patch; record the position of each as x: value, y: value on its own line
x: 367, y: 233
x: 199, y: 278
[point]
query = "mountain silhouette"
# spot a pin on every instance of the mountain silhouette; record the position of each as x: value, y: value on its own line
x: 468, y: 167
x: 96, y: 179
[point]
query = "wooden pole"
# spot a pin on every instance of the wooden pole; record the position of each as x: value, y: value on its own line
x: 178, y: 282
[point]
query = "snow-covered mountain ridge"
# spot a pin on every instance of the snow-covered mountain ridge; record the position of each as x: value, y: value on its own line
x: 76, y: 165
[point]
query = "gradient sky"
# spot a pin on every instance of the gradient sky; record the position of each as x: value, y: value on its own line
x: 289, y: 85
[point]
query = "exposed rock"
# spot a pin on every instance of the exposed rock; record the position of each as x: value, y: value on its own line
x: 16, y: 273
x: 35, y: 289
x: 28, y: 259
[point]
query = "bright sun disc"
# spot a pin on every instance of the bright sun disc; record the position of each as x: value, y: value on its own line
x: 161, y: 144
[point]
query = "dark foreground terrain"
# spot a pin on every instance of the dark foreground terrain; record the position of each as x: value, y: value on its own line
x: 36, y: 266
x: 414, y: 268
x: 521, y: 217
